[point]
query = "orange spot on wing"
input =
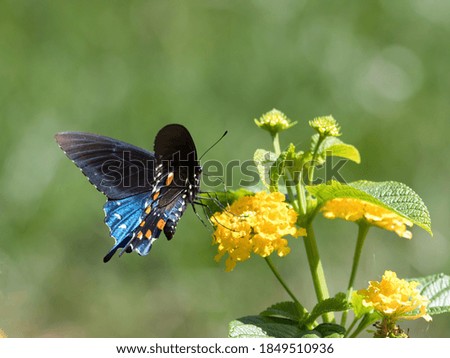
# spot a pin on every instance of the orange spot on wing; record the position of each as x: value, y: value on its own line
x: 148, y: 234
x: 156, y: 195
x: 148, y: 209
x: 161, y: 223
x: 140, y: 235
x: 169, y: 179
x: 142, y: 223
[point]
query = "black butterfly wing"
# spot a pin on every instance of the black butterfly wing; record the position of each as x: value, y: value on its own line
x: 176, y: 154
x: 115, y: 168
x: 147, y: 192
x: 136, y: 222
x: 175, y: 185
x: 173, y: 139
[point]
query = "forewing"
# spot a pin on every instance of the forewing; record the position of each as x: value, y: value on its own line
x: 115, y: 168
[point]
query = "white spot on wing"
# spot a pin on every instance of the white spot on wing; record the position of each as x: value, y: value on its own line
x: 117, y: 216
x: 123, y: 226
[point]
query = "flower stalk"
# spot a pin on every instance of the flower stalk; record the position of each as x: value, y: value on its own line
x: 363, y: 229
x: 274, y: 270
x: 315, y: 266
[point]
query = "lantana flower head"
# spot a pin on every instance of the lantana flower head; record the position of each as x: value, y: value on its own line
x: 274, y: 121
x: 351, y: 209
x: 392, y: 298
x: 326, y: 126
x: 254, y: 224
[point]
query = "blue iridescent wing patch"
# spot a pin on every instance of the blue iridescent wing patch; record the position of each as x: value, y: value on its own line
x: 122, y: 216
x: 147, y: 192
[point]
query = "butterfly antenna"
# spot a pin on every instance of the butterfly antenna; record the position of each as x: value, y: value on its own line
x: 212, y: 146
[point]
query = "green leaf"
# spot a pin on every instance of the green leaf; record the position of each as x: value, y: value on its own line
x: 263, y: 327
x: 393, y: 196
x: 264, y: 159
x: 437, y: 289
x: 343, y: 150
x: 332, y: 146
x: 359, y: 309
x: 286, y: 309
x: 334, y: 304
x: 399, y: 197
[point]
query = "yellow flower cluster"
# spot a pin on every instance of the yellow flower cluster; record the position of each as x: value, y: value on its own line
x: 326, y: 126
x: 274, y: 121
x: 255, y: 224
x: 395, y: 298
x: 355, y: 210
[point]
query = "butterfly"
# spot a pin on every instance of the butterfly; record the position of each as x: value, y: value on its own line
x: 147, y: 192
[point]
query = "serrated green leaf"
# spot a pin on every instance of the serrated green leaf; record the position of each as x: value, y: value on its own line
x: 264, y: 159
x: 399, y: 197
x: 394, y: 196
x: 437, y: 289
x: 334, y: 304
x: 286, y: 309
x: 263, y: 327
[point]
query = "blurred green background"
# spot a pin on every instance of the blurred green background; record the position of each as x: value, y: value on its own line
x: 126, y: 68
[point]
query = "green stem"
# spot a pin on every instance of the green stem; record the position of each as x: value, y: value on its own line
x: 285, y: 286
x: 362, y: 326
x: 362, y: 233
x: 315, y: 265
x: 276, y: 144
x: 313, y: 161
x: 290, y: 191
x: 301, y: 198
x: 347, y: 332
